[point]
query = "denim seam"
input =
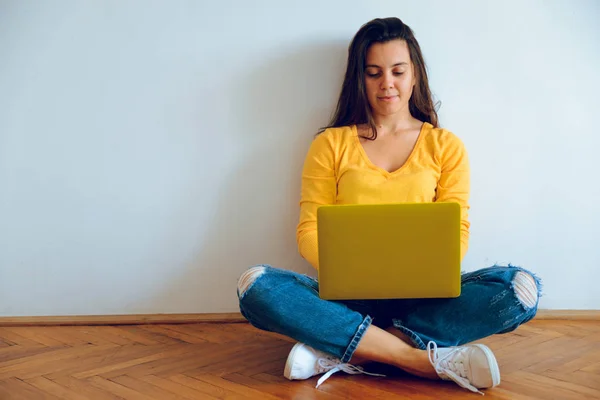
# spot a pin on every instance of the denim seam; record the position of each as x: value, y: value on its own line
x: 356, y: 339
x: 417, y: 341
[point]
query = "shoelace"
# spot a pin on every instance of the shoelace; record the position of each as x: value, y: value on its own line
x: 326, y: 363
x: 454, y: 370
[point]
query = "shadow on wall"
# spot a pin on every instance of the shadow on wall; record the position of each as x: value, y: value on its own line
x: 281, y: 105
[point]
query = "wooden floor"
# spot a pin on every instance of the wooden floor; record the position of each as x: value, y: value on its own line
x: 541, y: 360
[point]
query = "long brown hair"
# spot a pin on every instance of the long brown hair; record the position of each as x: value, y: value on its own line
x: 353, y: 105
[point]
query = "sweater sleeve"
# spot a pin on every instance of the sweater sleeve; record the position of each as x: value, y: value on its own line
x: 454, y: 184
x: 318, y: 188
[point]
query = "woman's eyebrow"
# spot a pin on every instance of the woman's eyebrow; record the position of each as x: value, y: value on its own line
x: 377, y: 66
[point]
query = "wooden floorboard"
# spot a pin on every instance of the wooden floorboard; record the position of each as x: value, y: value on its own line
x: 544, y: 359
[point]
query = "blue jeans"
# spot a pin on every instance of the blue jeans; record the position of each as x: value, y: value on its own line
x: 288, y: 303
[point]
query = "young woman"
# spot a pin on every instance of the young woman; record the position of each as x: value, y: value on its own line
x: 384, y: 145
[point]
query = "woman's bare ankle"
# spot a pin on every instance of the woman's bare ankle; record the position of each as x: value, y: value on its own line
x: 419, y: 365
x: 416, y: 364
x: 385, y: 347
x: 356, y: 360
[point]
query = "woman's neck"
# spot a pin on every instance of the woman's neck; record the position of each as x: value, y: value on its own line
x: 393, y: 124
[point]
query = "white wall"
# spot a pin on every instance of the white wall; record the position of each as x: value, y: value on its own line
x: 151, y: 151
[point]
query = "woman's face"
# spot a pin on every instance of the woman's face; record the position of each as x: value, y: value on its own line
x: 389, y: 77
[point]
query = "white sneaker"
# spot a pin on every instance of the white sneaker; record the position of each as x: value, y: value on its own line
x: 471, y: 367
x: 305, y: 362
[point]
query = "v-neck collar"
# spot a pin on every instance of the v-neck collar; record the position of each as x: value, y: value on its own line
x: 385, y: 172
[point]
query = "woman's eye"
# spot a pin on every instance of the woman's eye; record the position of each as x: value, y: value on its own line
x: 376, y: 74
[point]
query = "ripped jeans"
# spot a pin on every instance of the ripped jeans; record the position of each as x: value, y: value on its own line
x: 288, y: 303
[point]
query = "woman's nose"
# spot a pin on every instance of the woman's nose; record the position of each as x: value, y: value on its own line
x: 387, y: 81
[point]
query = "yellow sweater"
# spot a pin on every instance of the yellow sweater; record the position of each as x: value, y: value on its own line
x: 338, y: 171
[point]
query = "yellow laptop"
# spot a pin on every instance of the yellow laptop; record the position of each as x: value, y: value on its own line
x: 389, y: 251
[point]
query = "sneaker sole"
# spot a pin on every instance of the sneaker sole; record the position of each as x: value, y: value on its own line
x: 287, y: 372
x: 495, y: 370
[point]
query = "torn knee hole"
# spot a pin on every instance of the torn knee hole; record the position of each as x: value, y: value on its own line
x: 526, y: 289
x: 248, y: 278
